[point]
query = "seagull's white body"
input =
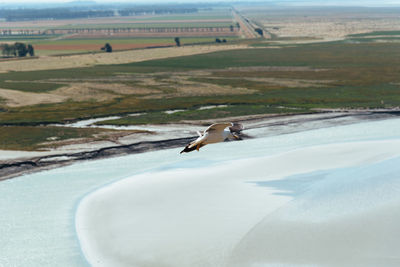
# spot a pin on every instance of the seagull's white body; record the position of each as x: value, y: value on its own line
x: 215, y: 133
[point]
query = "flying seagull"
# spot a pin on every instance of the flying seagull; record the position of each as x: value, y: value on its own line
x: 215, y: 133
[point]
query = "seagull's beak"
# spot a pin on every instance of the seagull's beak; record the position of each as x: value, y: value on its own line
x: 237, y: 137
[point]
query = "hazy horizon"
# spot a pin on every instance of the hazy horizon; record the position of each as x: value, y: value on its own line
x: 366, y: 3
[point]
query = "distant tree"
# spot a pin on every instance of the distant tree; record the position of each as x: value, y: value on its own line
x: 107, y: 47
x: 5, y: 50
x: 8, y: 50
x: 13, y: 50
x: 178, y: 41
x: 31, y: 50
x: 217, y: 40
x: 259, y: 31
x: 21, y: 49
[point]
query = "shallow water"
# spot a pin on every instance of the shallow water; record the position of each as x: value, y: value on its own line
x: 37, y: 210
x: 342, y: 217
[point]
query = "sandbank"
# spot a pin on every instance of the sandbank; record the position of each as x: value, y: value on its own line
x: 284, y: 209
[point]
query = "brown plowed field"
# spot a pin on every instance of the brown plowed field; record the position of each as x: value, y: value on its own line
x: 121, y: 57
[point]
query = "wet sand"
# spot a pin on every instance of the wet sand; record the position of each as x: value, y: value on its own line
x: 16, y: 163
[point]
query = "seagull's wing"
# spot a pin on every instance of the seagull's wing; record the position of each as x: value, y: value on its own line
x: 236, y: 128
x: 218, y: 127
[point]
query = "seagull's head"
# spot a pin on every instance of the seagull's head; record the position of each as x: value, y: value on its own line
x: 234, y: 136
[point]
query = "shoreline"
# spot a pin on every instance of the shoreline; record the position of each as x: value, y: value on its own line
x: 20, y: 166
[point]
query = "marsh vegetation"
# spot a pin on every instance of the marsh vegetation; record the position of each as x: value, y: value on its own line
x: 261, y: 76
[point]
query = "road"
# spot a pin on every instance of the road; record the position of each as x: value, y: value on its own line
x: 246, y: 27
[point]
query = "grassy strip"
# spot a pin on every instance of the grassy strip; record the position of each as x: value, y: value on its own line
x: 216, y: 13
x: 375, y: 33
x: 198, y: 16
x: 239, y: 83
x: 305, y: 98
x: 343, y: 94
x: 32, y: 138
x: 68, y: 111
x: 195, y: 114
x: 30, y: 86
x: 78, y: 73
x: 23, y: 38
x: 373, y: 39
x: 145, y: 25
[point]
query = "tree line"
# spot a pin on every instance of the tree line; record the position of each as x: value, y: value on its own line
x: 17, y: 50
x: 72, y: 13
x: 51, y: 13
x: 157, y: 10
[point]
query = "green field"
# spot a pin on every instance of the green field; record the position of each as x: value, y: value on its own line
x: 27, y: 38
x: 33, y: 138
x: 202, y: 14
x: 160, y: 117
x: 373, y: 39
x: 311, y: 55
x: 182, y: 24
x: 197, y: 16
x: 36, y: 87
x: 375, y: 33
x: 376, y: 36
x: 334, y: 75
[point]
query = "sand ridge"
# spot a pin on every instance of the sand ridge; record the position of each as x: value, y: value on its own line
x: 217, y: 206
x: 119, y: 57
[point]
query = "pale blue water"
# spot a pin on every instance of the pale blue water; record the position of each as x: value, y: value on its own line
x: 37, y: 210
x: 339, y: 217
x: 338, y: 192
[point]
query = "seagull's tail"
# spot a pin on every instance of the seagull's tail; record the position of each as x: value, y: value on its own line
x: 190, y: 148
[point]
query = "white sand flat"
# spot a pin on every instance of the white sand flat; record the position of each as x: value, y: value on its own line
x: 221, y: 215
